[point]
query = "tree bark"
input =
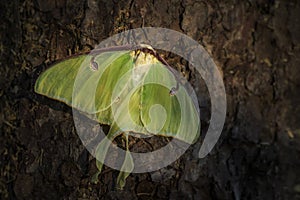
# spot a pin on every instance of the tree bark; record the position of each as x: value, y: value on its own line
x: 256, y: 47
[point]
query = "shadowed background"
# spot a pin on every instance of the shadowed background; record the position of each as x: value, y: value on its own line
x: 254, y: 43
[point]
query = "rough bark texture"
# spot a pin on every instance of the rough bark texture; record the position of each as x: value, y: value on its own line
x: 254, y: 43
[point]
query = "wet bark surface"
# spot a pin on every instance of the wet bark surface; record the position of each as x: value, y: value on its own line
x: 256, y: 47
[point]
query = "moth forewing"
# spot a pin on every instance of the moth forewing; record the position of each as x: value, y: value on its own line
x: 93, y: 89
x: 177, y: 110
x: 57, y: 81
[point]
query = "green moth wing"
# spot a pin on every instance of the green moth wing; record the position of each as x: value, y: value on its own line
x: 150, y: 108
x: 93, y: 88
x: 132, y: 91
x: 162, y: 113
x: 75, y: 83
x: 57, y: 82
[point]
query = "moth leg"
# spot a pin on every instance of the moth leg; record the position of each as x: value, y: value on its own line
x: 127, y: 166
x: 102, y: 150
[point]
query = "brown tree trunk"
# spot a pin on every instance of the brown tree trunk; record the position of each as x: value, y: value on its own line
x: 254, y: 43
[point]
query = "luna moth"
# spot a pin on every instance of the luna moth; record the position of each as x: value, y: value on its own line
x: 131, y: 88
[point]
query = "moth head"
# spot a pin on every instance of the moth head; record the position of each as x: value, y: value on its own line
x: 142, y: 58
